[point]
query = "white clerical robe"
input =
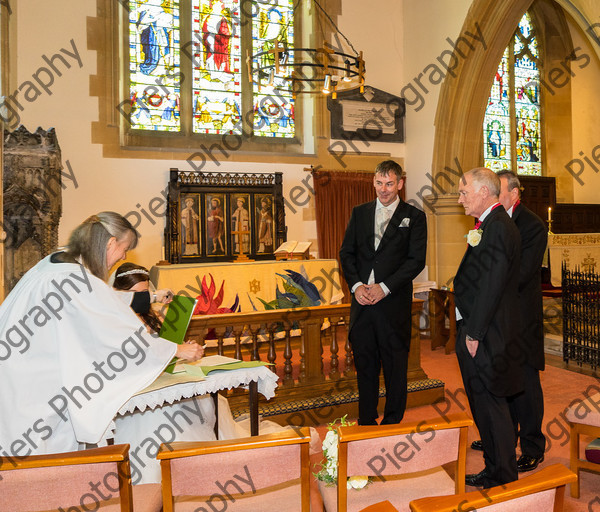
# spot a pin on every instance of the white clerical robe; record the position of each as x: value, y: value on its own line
x: 71, y: 354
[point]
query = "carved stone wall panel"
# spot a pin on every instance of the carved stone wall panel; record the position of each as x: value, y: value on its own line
x: 32, y: 199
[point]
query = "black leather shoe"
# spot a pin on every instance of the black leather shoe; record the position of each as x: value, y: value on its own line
x: 477, y: 445
x: 527, y: 463
x: 478, y: 479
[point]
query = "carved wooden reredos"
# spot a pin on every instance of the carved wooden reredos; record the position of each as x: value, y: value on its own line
x: 243, y: 201
x: 32, y: 199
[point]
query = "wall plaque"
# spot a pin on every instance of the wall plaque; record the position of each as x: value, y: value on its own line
x: 372, y: 116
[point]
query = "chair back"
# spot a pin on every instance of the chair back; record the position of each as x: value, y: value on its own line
x: 542, y: 491
x: 232, y: 473
x: 86, y: 480
x: 411, y: 449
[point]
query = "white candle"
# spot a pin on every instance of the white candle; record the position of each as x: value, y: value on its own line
x: 549, y: 214
x: 163, y: 253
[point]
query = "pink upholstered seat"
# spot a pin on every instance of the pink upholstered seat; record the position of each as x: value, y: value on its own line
x: 269, y: 472
x: 403, y: 460
x: 97, y: 479
x: 584, y: 419
x: 542, y: 491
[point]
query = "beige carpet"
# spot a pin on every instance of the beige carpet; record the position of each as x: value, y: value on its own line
x: 561, y: 387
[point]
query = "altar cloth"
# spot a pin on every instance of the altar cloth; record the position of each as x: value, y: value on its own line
x: 183, y: 411
x: 180, y: 386
x: 250, y: 281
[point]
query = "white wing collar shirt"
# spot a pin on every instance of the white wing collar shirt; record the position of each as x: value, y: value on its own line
x: 383, y: 214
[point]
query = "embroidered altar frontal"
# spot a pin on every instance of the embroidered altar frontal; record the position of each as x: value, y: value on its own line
x: 253, y: 286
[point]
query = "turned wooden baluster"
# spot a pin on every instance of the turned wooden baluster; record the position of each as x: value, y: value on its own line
x: 334, y: 372
x: 271, y: 329
x: 255, y: 330
x: 288, y: 379
x: 302, y: 352
x: 220, y: 332
x: 349, y: 361
x: 201, y: 335
x: 238, y: 341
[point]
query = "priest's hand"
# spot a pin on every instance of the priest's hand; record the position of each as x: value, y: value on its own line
x: 164, y: 296
x: 190, y: 351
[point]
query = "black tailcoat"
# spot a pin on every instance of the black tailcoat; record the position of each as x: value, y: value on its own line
x: 486, y: 294
x: 534, y: 240
x: 380, y: 333
x: 399, y: 258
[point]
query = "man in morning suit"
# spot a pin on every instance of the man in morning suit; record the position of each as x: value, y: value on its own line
x: 487, y: 345
x: 382, y: 252
x: 527, y: 408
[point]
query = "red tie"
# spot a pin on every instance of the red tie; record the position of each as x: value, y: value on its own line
x: 478, y: 223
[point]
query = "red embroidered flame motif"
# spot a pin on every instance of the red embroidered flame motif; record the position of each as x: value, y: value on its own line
x: 209, y: 304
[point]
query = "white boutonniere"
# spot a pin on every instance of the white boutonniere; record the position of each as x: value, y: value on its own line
x: 474, y: 237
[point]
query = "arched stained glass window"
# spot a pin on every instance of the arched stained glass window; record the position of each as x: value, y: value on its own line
x: 512, y: 122
x: 187, y: 67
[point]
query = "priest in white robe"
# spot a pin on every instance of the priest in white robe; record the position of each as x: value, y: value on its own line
x: 71, y: 351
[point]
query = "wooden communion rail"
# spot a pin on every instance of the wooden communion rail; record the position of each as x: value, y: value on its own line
x: 310, y: 352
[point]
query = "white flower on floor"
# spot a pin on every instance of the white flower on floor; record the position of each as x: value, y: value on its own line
x: 357, y: 482
x: 329, y: 465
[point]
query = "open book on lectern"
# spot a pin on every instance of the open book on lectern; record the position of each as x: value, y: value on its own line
x: 177, y: 321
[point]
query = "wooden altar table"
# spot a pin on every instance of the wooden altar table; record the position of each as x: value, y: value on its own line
x: 250, y: 281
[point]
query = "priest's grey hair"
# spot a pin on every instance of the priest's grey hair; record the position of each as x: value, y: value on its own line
x: 88, y: 241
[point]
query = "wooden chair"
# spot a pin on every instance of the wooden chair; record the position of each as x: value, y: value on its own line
x: 542, y: 491
x: 403, y: 460
x: 96, y: 479
x: 584, y: 419
x: 267, y: 472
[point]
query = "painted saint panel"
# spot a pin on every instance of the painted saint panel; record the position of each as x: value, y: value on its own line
x: 190, y: 225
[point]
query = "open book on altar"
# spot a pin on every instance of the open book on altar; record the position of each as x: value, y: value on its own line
x: 293, y: 250
x: 208, y: 364
x: 176, y: 322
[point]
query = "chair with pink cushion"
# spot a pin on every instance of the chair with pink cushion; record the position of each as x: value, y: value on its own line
x: 584, y: 419
x: 96, y: 479
x: 542, y: 491
x: 404, y: 462
x: 267, y: 472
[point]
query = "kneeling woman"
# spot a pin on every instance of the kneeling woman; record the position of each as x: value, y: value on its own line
x: 191, y: 419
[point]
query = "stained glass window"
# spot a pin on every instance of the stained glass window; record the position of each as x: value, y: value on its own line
x: 210, y: 36
x: 273, y: 105
x: 154, y: 64
x: 511, y: 126
x: 217, y: 77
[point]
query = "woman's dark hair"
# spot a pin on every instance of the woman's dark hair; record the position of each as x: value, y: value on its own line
x: 126, y: 277
x: 88, y: 241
